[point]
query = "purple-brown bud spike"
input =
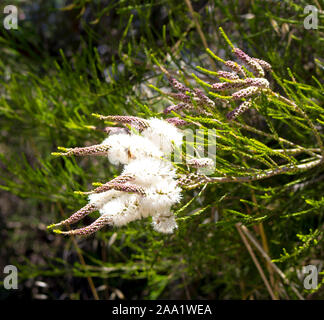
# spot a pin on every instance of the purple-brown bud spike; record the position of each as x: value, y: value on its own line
x: 265, y: 65
x: 254, y: 65
x: 131, y: 120
x: 228, y: 75
x: 245, y: 93
x: 257, y: 82
x: 77, y: 216
x: 190, y: 179
x: 86, y: 231
x: 203, y: 99
x: 177, y: 107
x: 98, y: 150
x: 178, y: 85
x: 239, y: 110
x: 200, y: 163
x: 118, y: 187
x: 181, y: 97
x: 235, y: 84
x: 235, y: 67
x: 177, y: 122
x: 122, y: 179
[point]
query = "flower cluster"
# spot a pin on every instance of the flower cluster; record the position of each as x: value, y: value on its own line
x: 147, y: 185
x: 247, y: 87
x: 189, y: 99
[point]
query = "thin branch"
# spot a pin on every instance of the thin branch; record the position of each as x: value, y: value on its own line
x: 264, y: 240
x: 268, y: 259
x: 82, y: 261
x: 200, y: 32
x: 272, y: 136
x: 255, y: 260
x: 299, y: 110
x: 265, y: 174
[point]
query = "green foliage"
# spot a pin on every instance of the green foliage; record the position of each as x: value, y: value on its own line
x: 107, y: 62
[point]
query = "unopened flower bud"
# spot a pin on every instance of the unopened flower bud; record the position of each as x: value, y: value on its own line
x: 265, y: 65
x: 177, y: 122
x: 254, y: 65
x: 257, y: 82
x: 235, y: 67
x: 228, y: 75
x: 239, y: 110
x: 200, y: 163
x: 178, y: 85
x: 176, y: 107
x: 235, y: 84
x: 245, y: 93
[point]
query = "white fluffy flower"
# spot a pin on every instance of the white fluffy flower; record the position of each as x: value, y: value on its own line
x: 142, y: 156
x: 125, y: 148
x: 122, y: 210
x: 147, y: 185
x: 99, y: 199
x: 161, y: 195
x: 163, y: 134
x: 164, y: 223
x: 148, y: 171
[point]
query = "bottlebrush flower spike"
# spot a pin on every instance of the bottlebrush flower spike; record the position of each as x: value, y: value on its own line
x: 202, y: 99
x: 257, y: 82
x: 164, y: 223
x: 181, y: 97
x: 245, y: 93
x: 253, y: 64
x: 178, y: 86
x: 241, y: 83
x: 177, y: 122
x: 110, y: 185
x: 235, y: 84
x: 94, y: 227
x: 148, y: 184
x: 240, y: 109
x: 77, y: 216
x: 133, y: 121
x: 241, y: 88
x: 99, y: 150
x: 125, y: 187
x: 227, y: 75
x: 265, y: 65
x: 177, y: 107
x: 200, y: 163
x: 235, y: 67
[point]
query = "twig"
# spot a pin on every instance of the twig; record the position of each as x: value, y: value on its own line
x: 201, y: 34
x: 238, y: 227
x: 82, y: 261
x: 264, y: 239
x: 299, y: 110
x: 268, y: 259
x: 265, y: 174
x: 272, y: 136
x: 319, y: 6
x: 295, y: 151
x: 90, y: 281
